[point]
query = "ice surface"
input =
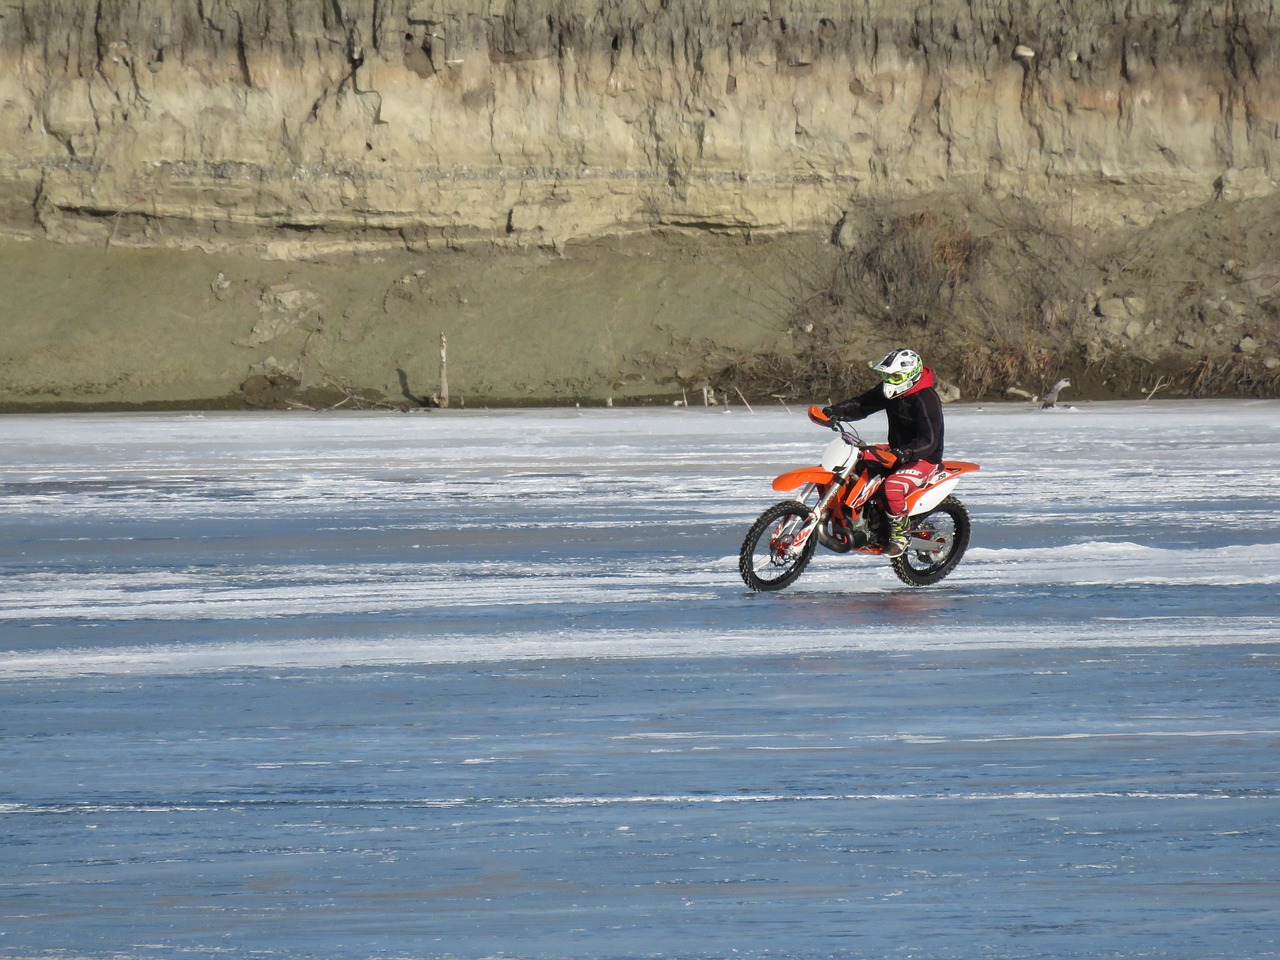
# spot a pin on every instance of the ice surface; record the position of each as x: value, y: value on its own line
x: 480, y: 684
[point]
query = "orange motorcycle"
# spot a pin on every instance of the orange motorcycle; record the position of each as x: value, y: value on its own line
x: 836, y: 506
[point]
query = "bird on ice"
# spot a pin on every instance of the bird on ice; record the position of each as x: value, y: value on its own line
x: 1051, y: 397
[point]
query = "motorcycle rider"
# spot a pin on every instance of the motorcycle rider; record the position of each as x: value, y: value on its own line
x: 907, y: 396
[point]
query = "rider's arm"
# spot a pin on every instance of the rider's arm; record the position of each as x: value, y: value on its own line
x: 855, y: 408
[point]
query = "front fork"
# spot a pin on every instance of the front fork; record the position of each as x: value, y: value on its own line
x: 819, y: 510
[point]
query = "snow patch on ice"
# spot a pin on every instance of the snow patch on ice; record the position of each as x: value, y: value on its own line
x: 161, y: 659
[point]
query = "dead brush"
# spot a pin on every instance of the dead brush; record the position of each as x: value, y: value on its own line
x: 985, y: 368
x: 813, y: 374
x: 907, y: 271
x: 1240, y: 375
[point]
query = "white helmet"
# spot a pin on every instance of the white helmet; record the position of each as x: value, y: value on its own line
x: 900, y: 370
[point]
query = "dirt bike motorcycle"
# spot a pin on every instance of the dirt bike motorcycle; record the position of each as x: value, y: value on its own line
x: 836, y: 506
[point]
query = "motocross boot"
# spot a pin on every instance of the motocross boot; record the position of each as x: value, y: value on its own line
x: 897, y: 544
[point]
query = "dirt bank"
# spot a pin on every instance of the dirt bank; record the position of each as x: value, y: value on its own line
x: 628, y: 319
x: 1003, y: 298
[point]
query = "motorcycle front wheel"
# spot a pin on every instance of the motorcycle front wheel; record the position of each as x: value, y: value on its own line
x: 947, y: 526
x: 769, y: 560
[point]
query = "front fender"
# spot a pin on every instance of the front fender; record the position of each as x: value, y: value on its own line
x: 798, y: 478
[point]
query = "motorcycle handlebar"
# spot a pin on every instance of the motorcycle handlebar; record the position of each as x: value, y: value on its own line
x: 831, y: 423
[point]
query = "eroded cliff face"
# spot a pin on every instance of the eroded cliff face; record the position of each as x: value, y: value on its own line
x: 292, y: 125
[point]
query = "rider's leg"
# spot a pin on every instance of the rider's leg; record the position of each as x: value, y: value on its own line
x: 897, y: 487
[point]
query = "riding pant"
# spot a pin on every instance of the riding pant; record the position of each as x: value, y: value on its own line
x: 902, y: 483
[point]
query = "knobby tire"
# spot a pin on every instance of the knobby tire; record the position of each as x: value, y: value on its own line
x: 756, y: 567
x: 949, y: 519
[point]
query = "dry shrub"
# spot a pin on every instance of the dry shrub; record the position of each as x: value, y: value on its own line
x: 907, y: 270
x: 1239, y: 374
x: 990, y: 295
x: 984, y: 368
x: 812, y: 374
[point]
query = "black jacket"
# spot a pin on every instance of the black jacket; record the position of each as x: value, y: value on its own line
x: 915, y: 417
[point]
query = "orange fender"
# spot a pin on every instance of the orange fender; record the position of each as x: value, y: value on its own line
x: 798, y: 478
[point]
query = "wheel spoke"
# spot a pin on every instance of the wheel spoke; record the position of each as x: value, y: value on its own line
x: 769, y: 559
x: 947, y: 530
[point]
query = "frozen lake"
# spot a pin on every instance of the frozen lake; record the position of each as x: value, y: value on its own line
x: 486, y: 684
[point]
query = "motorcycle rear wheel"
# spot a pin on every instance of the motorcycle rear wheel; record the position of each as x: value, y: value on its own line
x: 947, y: 524
x: 766, y: 560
